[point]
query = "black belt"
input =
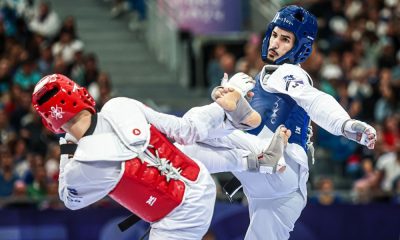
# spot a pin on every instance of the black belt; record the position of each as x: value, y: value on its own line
x: 129, y: 222
x: 232, y: 187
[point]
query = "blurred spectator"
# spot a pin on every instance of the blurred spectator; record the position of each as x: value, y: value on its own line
x: 52, y: 200
x: 18, y: 151
x: 20, y: 190
x: 326, y: 193
x: 251, y: 63
x: 19, y: 197
x: 77, y: 71
x: 227, y: 63
x: 9, y: 100
x: 32, y: 159
x: 45, y: 22
x: 37, y: 190
x: 27, y: 75
x: 68, y: 26
x: 364, y: 188
x: 3, y: 38
x: 396, y: 191
x: 387, y: 59
x: 386, y: 104
x: 390, y: 134
x: 313, y: 65
x: 136, y: 8
x: 22, y: 168
x: 22, y: 8
x: 15, y: 53
x: 348, y: 62
x: 385, y: 77
x: 5, y: 76
x: 45, y: 61
x: 379, y: 149
x: 138, y: 14
x: 60, y: 66
x: 7, y: 175
x: 101, y: 89
x: 372, y: 46
x: 66, y: 47
x: 119, y: 7
x: 396, y: 71
x: 354, y: 165
x: 331, y: 74
x: 214, y: 71
x: 35, y: 134
x: 52, y: 161
x: 331, y: 22
x: 7, y: 133
x: 388, y: 166
x: 350, y: 104
x: 27, y: 39
x: 9, y: 17
x: 91, y: 69
x: 359, y: 86
x: 21, y: 109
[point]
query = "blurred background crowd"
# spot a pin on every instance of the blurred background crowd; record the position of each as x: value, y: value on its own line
x: 356, y: 59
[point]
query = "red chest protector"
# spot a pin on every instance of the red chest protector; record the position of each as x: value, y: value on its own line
x: 145, y: 189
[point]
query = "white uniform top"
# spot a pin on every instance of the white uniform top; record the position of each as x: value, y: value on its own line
x: 322, y: 108
x: 275, y: 200
x: 90, y: 176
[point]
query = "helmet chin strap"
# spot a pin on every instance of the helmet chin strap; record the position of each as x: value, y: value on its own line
x: 269, y: 61
x: 285, y: 61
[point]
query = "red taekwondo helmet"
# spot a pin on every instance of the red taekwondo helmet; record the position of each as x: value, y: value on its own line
x: 57, y: 99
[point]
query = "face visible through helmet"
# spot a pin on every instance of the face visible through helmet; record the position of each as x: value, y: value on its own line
x: 57, y: 99
x: 280, y: 42
x: 303, y: 27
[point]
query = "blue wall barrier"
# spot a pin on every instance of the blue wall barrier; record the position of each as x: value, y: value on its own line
x: 349, y: 222
x: 337, y: 222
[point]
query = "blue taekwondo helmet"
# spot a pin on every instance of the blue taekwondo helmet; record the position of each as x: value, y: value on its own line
x: 304, y: 27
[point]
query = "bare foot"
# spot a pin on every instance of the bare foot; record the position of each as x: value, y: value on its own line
x: 227, y: 98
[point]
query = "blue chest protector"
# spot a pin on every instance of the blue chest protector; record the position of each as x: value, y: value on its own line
x: 276, y: 109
